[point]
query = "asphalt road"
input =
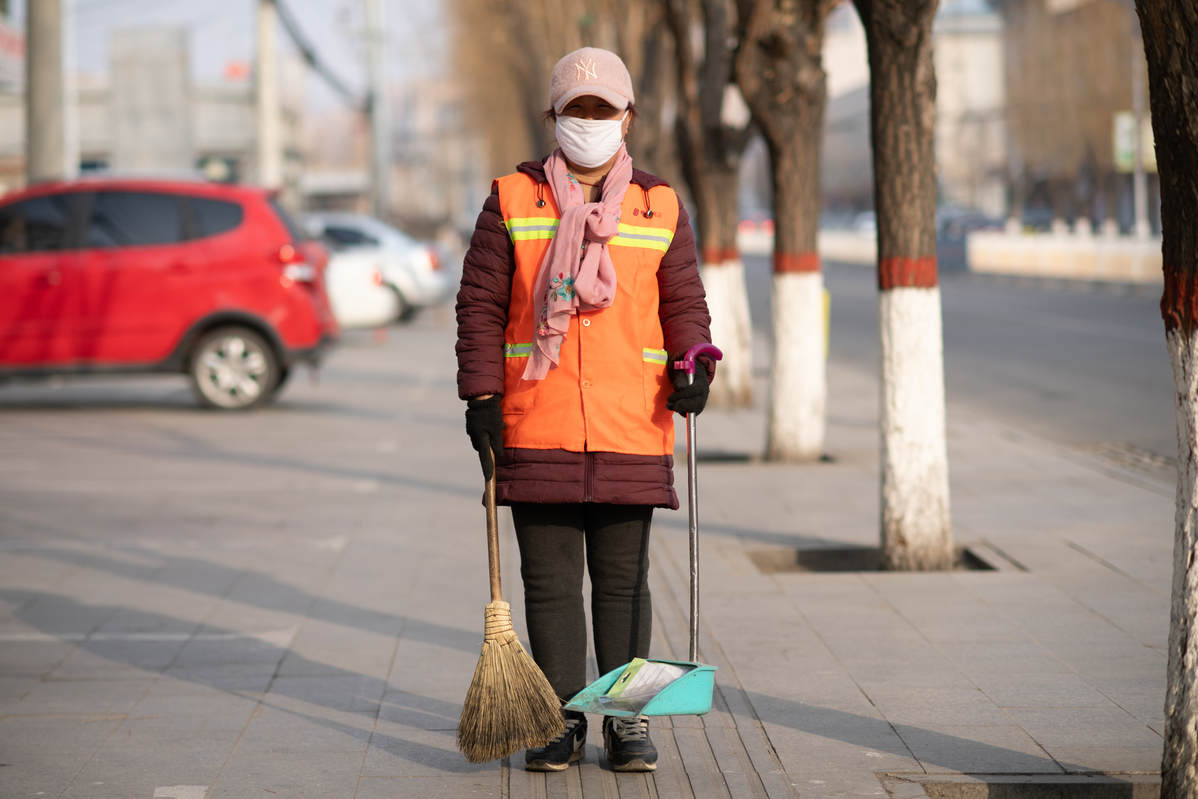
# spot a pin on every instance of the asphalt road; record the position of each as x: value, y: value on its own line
x: 1081, y: 365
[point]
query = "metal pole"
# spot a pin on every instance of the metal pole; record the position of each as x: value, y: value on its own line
x: 692, y: 491
x: 1141, y: 230
x: 270, y: 138
x: 70, y: 96
x: 44, y: 127
x: 380, y: 119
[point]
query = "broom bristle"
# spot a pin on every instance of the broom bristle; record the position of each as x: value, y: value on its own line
x: 509, y: 704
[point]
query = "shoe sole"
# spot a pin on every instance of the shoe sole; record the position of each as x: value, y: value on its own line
x: 634, y: 765
x: 545, y: 765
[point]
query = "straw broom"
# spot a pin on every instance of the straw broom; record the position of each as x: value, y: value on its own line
x: 509, y: 704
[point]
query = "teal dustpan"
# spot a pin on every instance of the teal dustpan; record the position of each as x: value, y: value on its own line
x: 653, y: 687
x: 686, y: 694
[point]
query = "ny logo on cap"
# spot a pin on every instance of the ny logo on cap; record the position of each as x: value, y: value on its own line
x: 587, y: 69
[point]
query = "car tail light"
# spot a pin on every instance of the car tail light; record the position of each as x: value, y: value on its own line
x: 377, y: 276
x: 295, y: 267
x: 434, y: 260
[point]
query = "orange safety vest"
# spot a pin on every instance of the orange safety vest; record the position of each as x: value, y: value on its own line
x: 608, y: 391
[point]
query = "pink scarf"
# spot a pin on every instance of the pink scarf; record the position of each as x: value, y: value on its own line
x: 576, y: 272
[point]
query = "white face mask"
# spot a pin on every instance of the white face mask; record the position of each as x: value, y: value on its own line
x: 590, y: 142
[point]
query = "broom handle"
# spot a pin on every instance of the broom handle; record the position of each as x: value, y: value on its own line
x: 492, y: 537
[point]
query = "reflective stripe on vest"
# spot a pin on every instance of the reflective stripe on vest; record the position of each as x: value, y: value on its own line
x: 649, y: 355
x: 528, y: 228
x: 524, y: 349
x: 647, y: 237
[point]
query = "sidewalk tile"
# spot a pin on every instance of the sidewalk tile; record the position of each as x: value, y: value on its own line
x: 950, y: 748
x: 303, y: 775
x: 1082, y: 727
x: 1039, y: 690
x: 428, y: 787
x: 401, y: 751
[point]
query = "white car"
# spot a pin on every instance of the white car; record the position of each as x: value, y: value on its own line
x: 358, y: 294
x: 413, y: 270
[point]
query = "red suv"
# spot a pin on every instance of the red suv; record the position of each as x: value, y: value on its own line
x: 108, y: 275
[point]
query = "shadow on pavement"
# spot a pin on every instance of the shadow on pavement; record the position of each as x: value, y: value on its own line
x: 370, y: 698
x: 679, y: 521
x: 928, y: 747
x: 194, y: 448
x: 261, y: 590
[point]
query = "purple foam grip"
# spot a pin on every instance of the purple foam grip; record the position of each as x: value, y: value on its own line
x: 687, y: 364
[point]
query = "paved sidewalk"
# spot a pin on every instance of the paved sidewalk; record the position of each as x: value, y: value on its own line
x: 289, y: 603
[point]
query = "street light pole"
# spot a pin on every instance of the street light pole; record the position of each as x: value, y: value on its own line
x: 45, y: 132
x: 270, y: 149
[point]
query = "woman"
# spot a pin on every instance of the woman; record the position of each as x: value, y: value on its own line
x: 580, y: 287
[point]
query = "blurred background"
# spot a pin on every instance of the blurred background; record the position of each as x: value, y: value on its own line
x: 407, y: 108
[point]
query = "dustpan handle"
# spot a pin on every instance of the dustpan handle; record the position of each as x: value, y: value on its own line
x: 692, y: 493
x: 492, y: 537
x: 688, y: 365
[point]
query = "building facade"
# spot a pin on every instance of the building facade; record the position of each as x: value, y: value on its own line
x: 147, y: 116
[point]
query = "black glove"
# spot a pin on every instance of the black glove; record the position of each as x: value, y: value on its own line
x: 484, y: 425
x: 691, y: 398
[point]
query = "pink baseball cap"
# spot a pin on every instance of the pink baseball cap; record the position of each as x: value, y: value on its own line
x: 590, y: 70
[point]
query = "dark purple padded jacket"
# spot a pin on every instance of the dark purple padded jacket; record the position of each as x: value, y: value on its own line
x: 538, y: 475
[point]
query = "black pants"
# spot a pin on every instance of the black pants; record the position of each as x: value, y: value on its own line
x: 616, y: 540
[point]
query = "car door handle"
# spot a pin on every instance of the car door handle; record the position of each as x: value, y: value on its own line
x: 52, y: 278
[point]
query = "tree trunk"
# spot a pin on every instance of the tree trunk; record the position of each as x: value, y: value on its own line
x: 1170, y: 31
x: 728, y: 299
x: 780, y: 71
x: 798, y: 400
x: 1179, y: 762
x: 650, y: 141
x: 710, y: 151
x: 915, y: 529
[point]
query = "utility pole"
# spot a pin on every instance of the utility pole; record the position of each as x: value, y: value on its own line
x: 270, y: 138
x: 70, y: 92
x: 45, y: 137
x: 380, y: 118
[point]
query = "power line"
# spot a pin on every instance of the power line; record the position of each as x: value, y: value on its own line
x: 312, y: 59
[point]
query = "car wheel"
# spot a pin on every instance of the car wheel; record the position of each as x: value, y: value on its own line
x: 284, y: 373
x: 233, y: 368
x: 406, y: 309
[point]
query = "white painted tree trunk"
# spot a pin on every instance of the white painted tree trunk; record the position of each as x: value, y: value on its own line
x: 799, y: 387
x: 1181, y: 697
x: 916, y: 533
x: 731, y: 331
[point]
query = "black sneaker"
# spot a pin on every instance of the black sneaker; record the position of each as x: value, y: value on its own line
x: 563, y: 750
x: 626, y: 742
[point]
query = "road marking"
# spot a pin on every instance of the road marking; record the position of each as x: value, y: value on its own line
x: 181, y: 792
x: 281, y: 637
